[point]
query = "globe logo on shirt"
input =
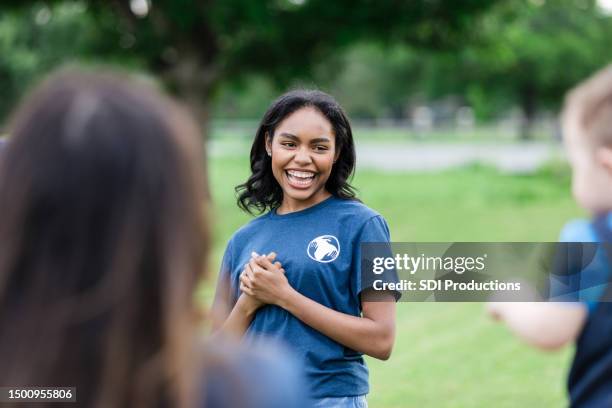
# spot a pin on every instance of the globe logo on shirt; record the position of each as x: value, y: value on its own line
x: 325, y: 248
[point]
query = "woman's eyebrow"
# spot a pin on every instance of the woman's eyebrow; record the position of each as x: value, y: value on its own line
x: 315, y: 140
x: 289, y: 136
x: 320, y: 140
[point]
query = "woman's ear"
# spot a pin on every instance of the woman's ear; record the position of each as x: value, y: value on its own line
x: 268, y: 144
x: 603, y: 155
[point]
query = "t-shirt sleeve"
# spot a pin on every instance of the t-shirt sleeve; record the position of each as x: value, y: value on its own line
x: 569, y: 286
x: 375, y: 234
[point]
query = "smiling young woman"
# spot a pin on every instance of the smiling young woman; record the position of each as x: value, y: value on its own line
x: 303, y: 154
x: 307, y: 291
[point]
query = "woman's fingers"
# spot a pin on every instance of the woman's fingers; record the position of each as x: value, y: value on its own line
x: 270, y: 256
x: 246, y: 289
x: 256, y: 272
x: 253, y: 275
x: 245, y: 280
x: 265, y: 263
x: 248, y: 271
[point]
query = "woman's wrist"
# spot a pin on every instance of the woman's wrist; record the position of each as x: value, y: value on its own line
x: 288, y: 299
x: 245, y: 307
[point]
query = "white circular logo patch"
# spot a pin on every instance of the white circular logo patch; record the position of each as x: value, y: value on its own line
x: 325, y: 248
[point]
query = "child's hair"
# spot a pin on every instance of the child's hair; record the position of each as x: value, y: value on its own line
x: 103, y: 239
x: 261, y: 191
x: 588, y: 107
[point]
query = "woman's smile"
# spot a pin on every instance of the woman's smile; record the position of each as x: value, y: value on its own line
x: 301, y: 179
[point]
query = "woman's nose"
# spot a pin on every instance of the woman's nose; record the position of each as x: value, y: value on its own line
x: 302, y: 156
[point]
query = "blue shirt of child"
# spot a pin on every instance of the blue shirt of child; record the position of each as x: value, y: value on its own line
x: 589, y: 380
x: 319, y: 248
x: 588, y: 283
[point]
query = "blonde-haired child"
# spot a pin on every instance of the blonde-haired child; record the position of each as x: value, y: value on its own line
x: 587, y: 134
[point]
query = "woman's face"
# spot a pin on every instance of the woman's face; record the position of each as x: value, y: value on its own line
x: 303, y: 151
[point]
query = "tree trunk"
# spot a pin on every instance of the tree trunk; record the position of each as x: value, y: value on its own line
x: 193, y: 83
x: 528, y: 101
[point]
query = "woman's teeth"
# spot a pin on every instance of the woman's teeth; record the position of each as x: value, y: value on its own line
x: 300, y: 177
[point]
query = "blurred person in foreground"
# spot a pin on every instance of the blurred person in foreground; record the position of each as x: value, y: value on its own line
x: 104, y: 238
x: 587, y: 129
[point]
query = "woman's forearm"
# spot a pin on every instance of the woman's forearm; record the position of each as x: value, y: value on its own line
x: 372, y: 337
x: 239, y: 319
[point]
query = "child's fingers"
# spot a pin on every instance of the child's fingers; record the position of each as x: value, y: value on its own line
x: 494, y: 310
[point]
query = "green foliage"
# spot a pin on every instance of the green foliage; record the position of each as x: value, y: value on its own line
x: 531, y: 52
x: 375, y: 81
x: 524, y: 53
x: 34, y: 41
x: 37, y: 39
x: 196, y: 46
x: 378, y: 61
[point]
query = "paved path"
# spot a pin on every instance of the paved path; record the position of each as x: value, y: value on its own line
x: 512, y: 158
x: 507, y: 157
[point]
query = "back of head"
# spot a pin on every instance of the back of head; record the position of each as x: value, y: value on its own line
x: 588, y: 109
x: 103, y: 241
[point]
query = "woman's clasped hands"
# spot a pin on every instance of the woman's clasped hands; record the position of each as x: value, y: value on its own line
x: 264, y: 280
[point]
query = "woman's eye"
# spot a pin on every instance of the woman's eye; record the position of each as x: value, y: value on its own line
x: 289, y: 144
x: 321, y: 148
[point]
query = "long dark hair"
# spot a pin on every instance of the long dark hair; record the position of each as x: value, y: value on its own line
x: 261, y: 191
x: 103, y: 239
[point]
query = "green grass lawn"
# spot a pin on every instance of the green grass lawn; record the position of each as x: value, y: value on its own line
x: 446, y: 354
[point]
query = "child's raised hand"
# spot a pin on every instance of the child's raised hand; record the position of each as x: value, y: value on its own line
x: 495, y: 310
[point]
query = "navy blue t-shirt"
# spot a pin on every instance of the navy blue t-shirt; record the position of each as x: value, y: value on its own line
x: 319, y: 248
x: 590, y: 377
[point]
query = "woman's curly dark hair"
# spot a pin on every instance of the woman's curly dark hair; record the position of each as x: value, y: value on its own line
x: 261, y: 191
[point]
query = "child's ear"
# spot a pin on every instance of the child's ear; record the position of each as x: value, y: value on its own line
x: 603, y: 155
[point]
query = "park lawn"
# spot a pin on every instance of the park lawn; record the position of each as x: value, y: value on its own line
x: 446, y: 354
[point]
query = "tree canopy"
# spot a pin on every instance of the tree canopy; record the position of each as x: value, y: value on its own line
x: 193, y: 46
